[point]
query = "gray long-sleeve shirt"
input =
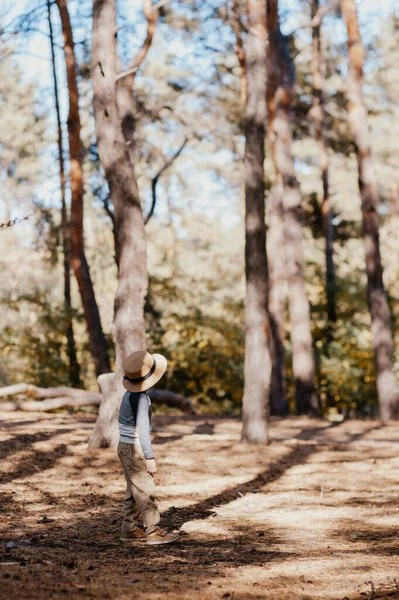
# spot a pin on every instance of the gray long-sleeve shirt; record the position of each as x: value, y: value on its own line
x: 135, y: 421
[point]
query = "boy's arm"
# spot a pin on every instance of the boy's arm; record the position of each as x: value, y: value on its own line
x: 143, y: 424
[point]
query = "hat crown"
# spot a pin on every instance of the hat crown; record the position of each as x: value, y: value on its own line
x: 138, y: 364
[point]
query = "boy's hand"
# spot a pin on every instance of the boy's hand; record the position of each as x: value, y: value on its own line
x: 151, y: 466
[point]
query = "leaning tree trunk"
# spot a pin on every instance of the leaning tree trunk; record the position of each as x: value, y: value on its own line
x: 277, y: 297
x: 281, y: 83
x: 128, y: 329
x: 381, y: 328
x: 257, y: 368
x: 318, y: 115
x: 73, y: 367
x: 97, y: 341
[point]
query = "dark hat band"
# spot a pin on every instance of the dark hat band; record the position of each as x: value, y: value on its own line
x: 145, y: 377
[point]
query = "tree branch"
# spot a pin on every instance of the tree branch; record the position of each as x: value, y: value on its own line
x: 151, y: 12
x: 13, y: 222
x: 109, y: 210
x: 321, y: 13
x: 155, y: 179
x: 330, y: 6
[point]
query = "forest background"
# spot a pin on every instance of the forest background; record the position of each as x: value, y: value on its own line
x: 189, y: 119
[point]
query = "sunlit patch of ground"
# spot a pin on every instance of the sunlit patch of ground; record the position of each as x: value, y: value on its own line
x: 313, y: 515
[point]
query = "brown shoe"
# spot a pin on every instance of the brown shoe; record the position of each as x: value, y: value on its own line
x: 160, y: 536
x: 137, y: 535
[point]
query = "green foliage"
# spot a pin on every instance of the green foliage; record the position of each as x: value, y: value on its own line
x: 38, y: 350
x: 345, y: 366
x: 37, y: 353
x: 205, y: 353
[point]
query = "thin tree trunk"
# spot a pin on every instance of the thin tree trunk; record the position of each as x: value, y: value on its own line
x: 74, y: 368
x: 128, y: 329
x: 381, y: 327
x: 98, y: 344
x: 275, y: 260
x: 282, y: 79
x: 257, y: 367
x: 277, y: 296
x: 318, y: 115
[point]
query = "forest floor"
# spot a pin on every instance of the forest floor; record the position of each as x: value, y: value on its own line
x: 313, y: 515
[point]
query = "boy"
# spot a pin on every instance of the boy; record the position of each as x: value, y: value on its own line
x: 142, y: 371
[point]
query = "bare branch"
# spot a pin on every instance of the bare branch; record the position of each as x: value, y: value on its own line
x: 108, y: 209
x: 317, y: 20
x: 151, y: 12
x: 371, y: 595
x: 27, y: 17
x: 155, y: 179
x: 124, y: 74
x: 321, y: 13
x: 13, y: 222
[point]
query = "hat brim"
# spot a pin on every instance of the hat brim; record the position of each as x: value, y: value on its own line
x: 160, y: 369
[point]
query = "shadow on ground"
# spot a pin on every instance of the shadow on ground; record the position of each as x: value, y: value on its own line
x: 78, y: 554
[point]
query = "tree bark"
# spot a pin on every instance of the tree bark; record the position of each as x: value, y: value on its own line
x: 97, y: 341
x: 128, y: 328
x: 318, y: 116
x: 257, y: 366
x: 277, y: 297
x: 275, y: 260
x: 74, y: 368
x: 280, y: 91
x: 381, y: 327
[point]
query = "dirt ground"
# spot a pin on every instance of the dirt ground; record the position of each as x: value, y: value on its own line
x: 313, y: 515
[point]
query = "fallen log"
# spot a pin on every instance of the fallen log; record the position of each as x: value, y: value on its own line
x: 63, y: 397
x: 172, y: 399
x: 52, y: 403
x: 28, y: 389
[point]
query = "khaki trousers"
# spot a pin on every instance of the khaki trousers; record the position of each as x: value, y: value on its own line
x: 140, y: 490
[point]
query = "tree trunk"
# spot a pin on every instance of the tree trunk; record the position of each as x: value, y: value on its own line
x: 282, y: 80
x: 97, y: 341
x: 318, y: 115
x: 74, y: 368
x: 277, y: 296
x: 257, y: 367
x: 128, y: 329
x: 275, y: 260
x: 381, y: 328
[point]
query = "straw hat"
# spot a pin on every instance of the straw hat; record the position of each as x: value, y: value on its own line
x: 143, y: 370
